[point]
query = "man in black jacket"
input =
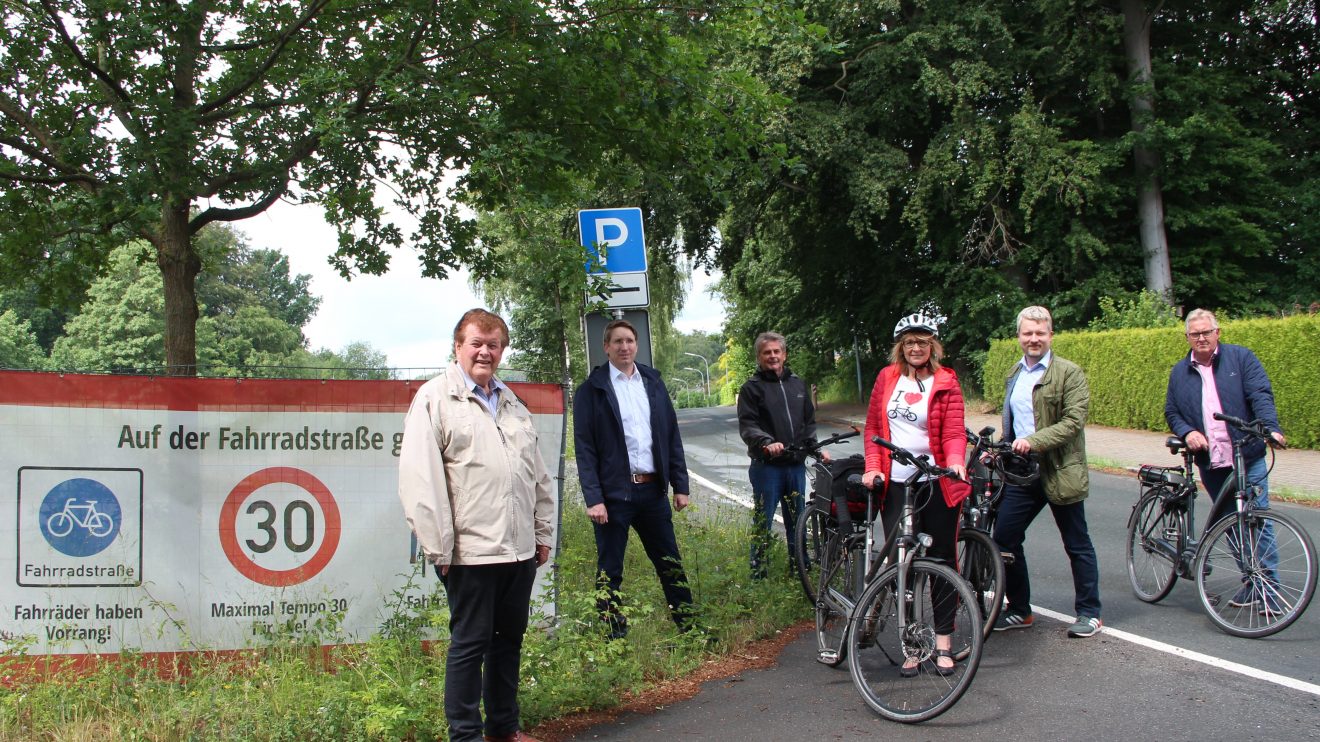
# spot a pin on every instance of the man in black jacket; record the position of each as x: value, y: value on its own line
x: 774, y: 413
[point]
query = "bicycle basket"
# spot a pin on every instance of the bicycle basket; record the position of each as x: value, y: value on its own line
x: 840, y: 469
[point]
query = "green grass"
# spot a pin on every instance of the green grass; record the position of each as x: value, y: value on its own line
x: 392, y: 686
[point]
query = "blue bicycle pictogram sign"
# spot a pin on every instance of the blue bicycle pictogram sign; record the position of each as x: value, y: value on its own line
x: 80, y: 517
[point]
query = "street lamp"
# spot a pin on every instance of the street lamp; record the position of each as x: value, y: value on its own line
x: 705, y: 381
x: 703, y: 360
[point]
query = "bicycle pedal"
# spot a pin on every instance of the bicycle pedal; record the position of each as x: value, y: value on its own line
x: 828, y: 657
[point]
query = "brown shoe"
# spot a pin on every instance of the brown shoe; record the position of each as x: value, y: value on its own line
x: 515, y: 737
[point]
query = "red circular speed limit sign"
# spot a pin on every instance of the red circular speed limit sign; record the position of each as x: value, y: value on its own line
x: 278, y: 527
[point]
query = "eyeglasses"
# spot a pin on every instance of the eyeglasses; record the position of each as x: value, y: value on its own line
x: 1202, y: 334
x: 914, y: 343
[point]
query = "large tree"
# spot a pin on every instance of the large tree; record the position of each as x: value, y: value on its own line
x: 971, y: 156
x: 153, y: 120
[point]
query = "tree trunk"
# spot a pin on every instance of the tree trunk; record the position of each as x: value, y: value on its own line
x: 179, y: 266
x: 1150, y: 198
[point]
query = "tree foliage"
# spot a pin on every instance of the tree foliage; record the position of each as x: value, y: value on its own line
x: 18, y: 344
x: 975, y: 157
x: 119, y: 328
x: 150, y: 121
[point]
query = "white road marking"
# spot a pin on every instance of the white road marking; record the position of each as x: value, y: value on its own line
x: 726, y: 494
x: 1204, y: 659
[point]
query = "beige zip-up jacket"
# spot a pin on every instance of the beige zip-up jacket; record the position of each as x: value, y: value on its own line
x: 473, y: 491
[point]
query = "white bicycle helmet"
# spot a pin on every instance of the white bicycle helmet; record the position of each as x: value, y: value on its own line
x: 916, y: 322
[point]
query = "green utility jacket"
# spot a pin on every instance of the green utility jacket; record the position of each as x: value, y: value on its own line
x: 1059, y: 403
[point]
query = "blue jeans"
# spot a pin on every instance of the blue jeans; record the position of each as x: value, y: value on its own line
x: 1021, y: 505
x: 1214, y: 480
x: 774, y: 486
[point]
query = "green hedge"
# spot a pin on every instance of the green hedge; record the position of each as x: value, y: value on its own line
x: 1128, y: 370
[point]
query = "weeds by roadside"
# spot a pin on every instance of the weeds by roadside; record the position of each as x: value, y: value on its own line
x: 391, y: 688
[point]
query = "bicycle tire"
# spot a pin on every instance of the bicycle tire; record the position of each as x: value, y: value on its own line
x: 810, y: 537
x: 1152, y: 559
x: 1237, y: 591
x: 982, y: 566
x: 100, y: 525
x: 64, y: 529
x: 877, y: 647
x: 837, y: 592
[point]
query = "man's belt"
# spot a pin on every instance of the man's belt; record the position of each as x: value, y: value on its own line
x: 643, y: 478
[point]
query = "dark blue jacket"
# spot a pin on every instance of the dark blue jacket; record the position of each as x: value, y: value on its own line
x: 1244, y: 391
x: 602, y: 454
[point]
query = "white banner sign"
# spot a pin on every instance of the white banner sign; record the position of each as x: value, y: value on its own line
x: 164, y: 514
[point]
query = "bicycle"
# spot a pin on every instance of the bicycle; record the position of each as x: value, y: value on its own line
x: 893, y: 619
x: 1255, y: 569
x: 97, y: 523
x: 817, y: 521
x: 980, y: 560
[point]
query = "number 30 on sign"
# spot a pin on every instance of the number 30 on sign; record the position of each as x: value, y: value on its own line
x: 279, y: 526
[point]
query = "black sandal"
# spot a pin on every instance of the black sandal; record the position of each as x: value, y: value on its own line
x: 909, y: 672
x: 944, y: 671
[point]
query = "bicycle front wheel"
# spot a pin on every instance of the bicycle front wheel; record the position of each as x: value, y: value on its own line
x: 842, y: 571
x: 1154, y: 535
x: 980, y: 563
x: 1255, y: 573
x: 810, y: 537
x: 892, y: 624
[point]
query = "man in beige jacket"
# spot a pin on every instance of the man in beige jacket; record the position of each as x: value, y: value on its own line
x: 477, y: 495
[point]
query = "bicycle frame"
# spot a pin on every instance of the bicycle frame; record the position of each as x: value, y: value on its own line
x: 904, y: 544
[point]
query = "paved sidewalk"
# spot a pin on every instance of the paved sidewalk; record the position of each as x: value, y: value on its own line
x: 1296, y: 470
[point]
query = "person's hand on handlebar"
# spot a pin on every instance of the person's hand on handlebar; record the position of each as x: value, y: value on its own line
x: 1279, y: 441
x: 773, y: 450
x: 872, y: 479
x: 825, y: 456
x: 959, y: 470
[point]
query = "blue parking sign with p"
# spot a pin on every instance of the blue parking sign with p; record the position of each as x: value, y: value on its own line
x: 618, y: 233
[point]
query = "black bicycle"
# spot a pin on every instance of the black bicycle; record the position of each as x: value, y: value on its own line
x: 889, y: 632
x: 1255, y: 569
x: 818, y: 519
x: 980, y: 560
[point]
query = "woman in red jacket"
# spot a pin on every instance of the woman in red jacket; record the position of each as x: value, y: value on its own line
x: 917, y: 405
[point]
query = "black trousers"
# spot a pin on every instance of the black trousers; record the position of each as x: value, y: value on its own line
x: 488, y: 611
x: 645, y: 509
x: 936, y: 519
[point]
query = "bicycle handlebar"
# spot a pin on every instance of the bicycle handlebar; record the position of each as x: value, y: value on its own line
x: 813, y: 449
x: 982, y: 440
x: 1256, y: 428
x: 922, y: 462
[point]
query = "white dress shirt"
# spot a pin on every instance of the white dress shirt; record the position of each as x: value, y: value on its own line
x: 635, y: 411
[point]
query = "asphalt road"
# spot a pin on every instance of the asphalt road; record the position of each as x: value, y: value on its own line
x: 1161, y: 671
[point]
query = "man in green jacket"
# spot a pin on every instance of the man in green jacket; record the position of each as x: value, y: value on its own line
x: 1045, y: 406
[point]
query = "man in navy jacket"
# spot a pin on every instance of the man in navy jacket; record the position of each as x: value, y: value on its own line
x: 1219, y: 377
x: 1226, y: 378
x: 629, y: 454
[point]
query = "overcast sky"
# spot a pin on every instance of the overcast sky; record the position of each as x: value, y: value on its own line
x: 410, y: 318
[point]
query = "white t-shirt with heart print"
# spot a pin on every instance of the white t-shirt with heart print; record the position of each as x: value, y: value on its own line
x: 909, y: 415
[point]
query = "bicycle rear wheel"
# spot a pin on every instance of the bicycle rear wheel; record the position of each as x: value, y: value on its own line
x: 842, y: 569
x: 1255, y: 573
x: 1154, y: 535
x: 980, y: 563
x: 879, y: 642
x: 810, y: 537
